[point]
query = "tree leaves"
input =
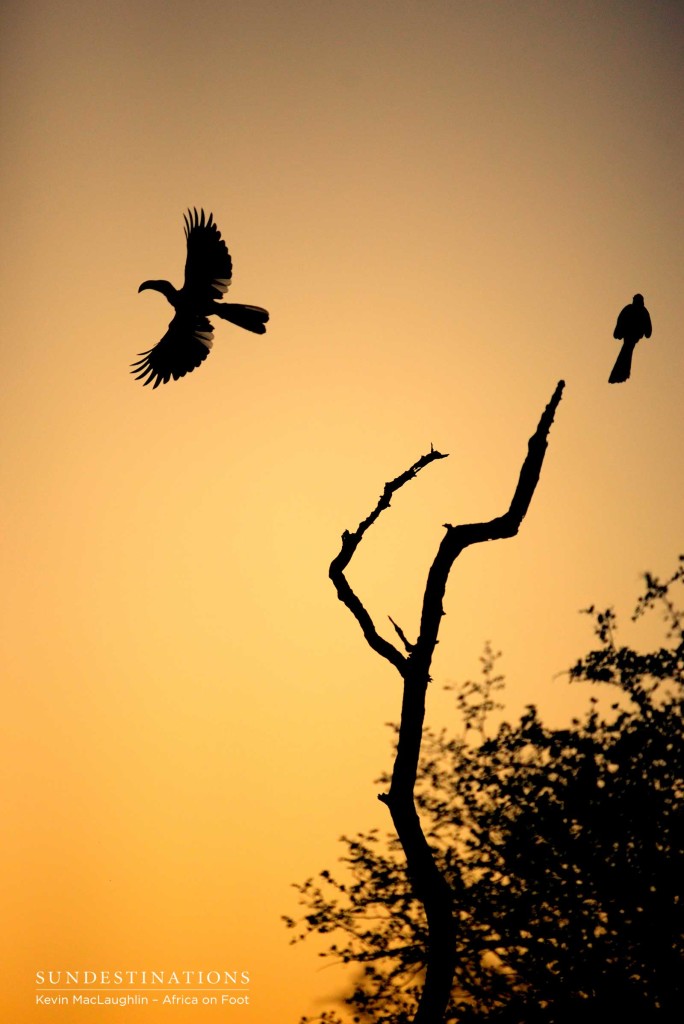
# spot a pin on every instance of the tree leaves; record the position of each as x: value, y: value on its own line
x: 565, y: 847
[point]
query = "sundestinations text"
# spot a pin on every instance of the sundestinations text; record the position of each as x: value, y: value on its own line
x: 166, y: 978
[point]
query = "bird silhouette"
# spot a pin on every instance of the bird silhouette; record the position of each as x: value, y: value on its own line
x: 208, y: 272
x: 633, y: 324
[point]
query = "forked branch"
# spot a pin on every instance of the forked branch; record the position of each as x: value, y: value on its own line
x: 429, y: 885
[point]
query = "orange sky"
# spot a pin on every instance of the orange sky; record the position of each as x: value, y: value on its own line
x: 444, y: 205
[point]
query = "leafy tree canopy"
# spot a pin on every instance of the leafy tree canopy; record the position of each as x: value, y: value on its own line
x: 564, y: 849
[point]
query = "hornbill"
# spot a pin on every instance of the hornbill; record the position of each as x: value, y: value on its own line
x: 633, y: 324
x: 208, y: 271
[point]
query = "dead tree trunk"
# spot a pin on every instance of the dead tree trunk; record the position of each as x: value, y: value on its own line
x: 413, y: 665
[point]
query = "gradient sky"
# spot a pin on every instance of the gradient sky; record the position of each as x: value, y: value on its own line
x: 444, y: 205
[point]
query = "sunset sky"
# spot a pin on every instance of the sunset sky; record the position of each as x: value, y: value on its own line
x: 444, y: 205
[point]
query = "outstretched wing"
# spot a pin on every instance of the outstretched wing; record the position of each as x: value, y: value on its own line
x: 185, y: 345
x: 208, y: 267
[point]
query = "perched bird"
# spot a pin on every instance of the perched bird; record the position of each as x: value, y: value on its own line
x: 208, y: 271
x: 633, y: 324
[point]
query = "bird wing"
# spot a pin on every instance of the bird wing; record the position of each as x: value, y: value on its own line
x: 625, y: 323
x: 185, y: 345
x: 208, y: 266
x: 633, y: 322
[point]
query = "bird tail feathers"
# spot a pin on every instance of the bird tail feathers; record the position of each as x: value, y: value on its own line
x: 252, y: 318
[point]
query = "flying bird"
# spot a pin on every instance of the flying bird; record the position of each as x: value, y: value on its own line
x: 633, y: 324
x: 208, y: 272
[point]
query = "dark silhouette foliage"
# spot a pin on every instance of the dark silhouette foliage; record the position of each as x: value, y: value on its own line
x: 208, y: 273
x: 633, y: 324
x: 565, y: 847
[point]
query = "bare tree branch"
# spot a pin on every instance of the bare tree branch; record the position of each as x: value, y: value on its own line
x: 350, y: 542
x: 457, y: 538
x: 428, y: 883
